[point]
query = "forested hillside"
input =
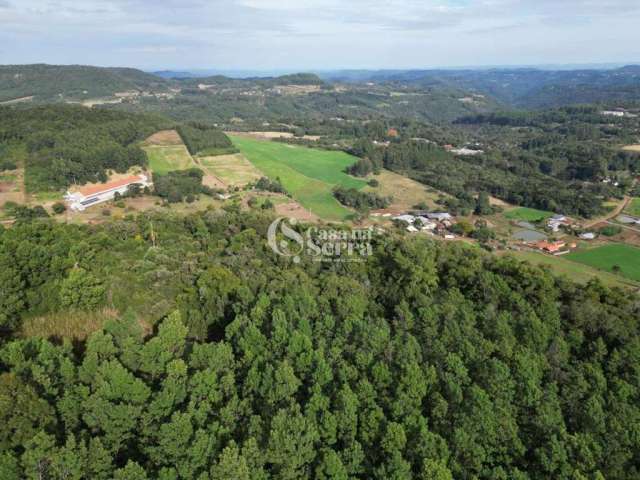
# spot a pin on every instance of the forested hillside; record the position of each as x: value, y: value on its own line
x: 70, y: 144
x: 60, y: 82
x: 519, y: 87
x: 428, y: 360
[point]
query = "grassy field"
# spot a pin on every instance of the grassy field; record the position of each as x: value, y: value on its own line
x: 406, y: 193
x: 634, y: 207
x: 308, y: 174
x: 578, y: 272
x: 527, y: 214
x: 232, y: 170
x: 625, y: 257
x: 163, y: 159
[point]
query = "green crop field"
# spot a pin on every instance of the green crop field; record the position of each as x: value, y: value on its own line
x: 308, y: 174
x: 634, y: 207
x: 527, y: 214
x: 626, y: 258
x: 163, y: 159
x: 578, y: 272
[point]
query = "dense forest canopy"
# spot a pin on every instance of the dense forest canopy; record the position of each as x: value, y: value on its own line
x: 203, y: 139
x: 74, y: 145
x: 428, y: 360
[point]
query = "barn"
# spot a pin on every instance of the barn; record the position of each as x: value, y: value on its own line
x: 95, y: 194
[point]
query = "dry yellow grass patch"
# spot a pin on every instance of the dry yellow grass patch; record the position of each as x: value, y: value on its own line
x: 632, y: 148
x: 164, y: 137
x: 69, y: 324
x: 405, y: 192
x: 233, y: 170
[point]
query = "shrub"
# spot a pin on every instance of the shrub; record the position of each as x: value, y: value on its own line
x: 610, y: 230
x: 59, y: 208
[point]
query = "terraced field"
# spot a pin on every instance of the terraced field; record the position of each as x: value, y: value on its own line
x: 309, y: 175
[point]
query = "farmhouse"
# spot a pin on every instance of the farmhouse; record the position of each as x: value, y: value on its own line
x: 587, y: 236
x: 95, y: 194
x: 551, y: 247
x: 555, y: 222
x: 439, y: 216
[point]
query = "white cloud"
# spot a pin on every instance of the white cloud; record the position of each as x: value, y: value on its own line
x: 318, y: 33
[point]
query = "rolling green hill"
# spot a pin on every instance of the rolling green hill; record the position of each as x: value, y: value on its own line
x: 48, y: 82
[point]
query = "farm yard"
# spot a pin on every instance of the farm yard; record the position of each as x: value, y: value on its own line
x: 615, y: 257
x: 309, y: 175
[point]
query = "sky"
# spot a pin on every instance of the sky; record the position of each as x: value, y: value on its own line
x: 318, y: 34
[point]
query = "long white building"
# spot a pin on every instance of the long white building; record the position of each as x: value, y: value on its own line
x: 91, y: 195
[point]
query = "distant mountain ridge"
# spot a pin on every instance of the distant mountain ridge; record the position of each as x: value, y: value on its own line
x: 49, y: 82
x: 517, y: 87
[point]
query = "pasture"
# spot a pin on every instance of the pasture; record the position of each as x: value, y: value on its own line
x: 309, y: 175
x: 233, y: 170
x: 527, y: 214
x: 614, y: 257
x: 165, y: 158
x: 578, y: 272
x: 406, y: 193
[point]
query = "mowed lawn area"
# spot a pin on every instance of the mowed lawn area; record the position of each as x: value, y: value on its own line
x: 527, y: 214
x: 578, y: 272
x: 163, y: 159
x: 625, y: 257
x: 309, y: 175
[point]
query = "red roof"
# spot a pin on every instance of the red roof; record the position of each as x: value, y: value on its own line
x: 550, y: 246
x: 104, y: 187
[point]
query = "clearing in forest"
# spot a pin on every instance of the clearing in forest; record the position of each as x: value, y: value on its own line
x: 164, y: 138
x: 309, y: 175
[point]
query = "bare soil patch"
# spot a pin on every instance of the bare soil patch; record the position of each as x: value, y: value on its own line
x: 295, y: 210
x: 272, y: 135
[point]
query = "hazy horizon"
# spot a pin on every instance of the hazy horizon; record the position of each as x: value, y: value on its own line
x: 318, y: 35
